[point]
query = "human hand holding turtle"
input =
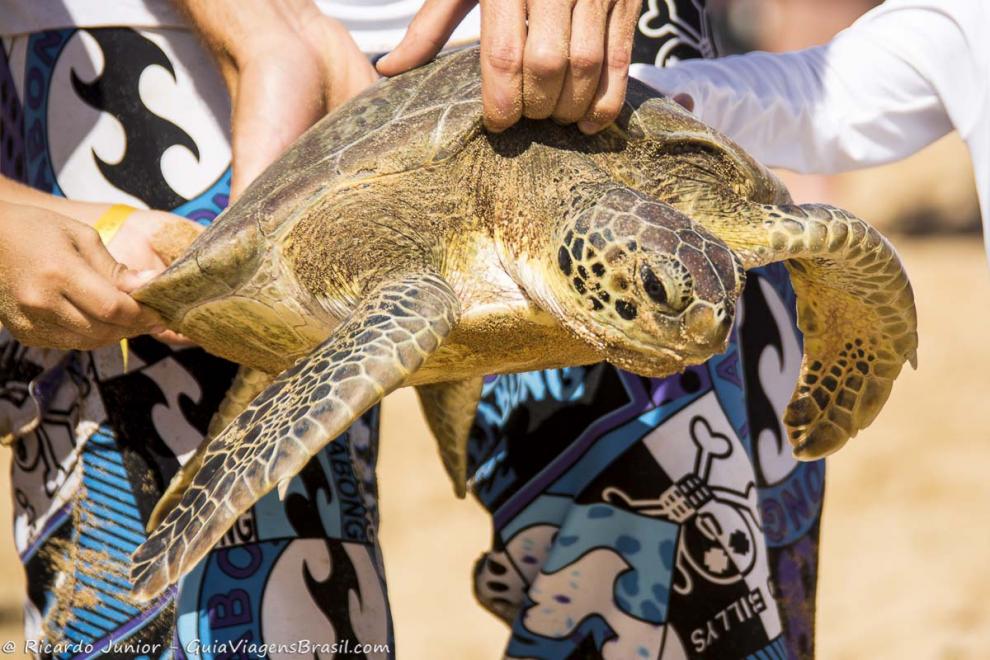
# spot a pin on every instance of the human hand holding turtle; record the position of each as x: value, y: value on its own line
x: 149, y: 241
x: 563, y: 59
x: 61, y: 288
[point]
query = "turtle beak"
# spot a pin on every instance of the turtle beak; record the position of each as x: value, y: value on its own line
x: 707, y: 329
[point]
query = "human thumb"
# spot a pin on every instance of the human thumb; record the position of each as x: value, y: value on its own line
x: 128, y: 280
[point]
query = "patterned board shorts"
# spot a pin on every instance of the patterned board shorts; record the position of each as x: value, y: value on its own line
x: 633, y: 517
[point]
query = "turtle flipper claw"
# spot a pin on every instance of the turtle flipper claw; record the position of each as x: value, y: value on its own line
x: 385, y: 340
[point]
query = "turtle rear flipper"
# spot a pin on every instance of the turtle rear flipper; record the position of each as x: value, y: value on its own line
x: 856, y: 311
x: 450, y: 409
x: 389, y: 336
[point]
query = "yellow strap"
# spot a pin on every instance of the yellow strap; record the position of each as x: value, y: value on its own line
x: 124, y: 352
x: 108, y: 224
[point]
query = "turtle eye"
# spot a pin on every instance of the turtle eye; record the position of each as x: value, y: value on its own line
x: 652, y: 285
x: 667, y: 283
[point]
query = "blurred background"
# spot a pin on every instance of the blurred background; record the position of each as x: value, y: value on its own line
x: 905, y: 538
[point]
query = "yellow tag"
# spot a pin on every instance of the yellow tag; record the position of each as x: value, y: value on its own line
x: 108, y: 224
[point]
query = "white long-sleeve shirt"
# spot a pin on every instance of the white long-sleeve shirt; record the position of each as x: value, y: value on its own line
x: 902, y: 76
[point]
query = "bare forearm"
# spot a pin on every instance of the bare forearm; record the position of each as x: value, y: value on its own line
x: 13, y: 193
x: 233, y: 30
x: 285, y: 65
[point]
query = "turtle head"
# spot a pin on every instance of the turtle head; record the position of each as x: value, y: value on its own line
x: 650, y: 289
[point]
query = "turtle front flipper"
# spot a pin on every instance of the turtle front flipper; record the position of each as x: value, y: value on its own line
x: 856, y: 310
x: 248, y: 384
x: 450, y: 409
x: 387, y: 338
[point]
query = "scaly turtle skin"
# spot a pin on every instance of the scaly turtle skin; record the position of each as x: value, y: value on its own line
x: 397, y: 243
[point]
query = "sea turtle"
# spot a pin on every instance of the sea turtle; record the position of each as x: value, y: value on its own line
x: 398, y: 243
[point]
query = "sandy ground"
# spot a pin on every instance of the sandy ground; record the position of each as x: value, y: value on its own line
x: 905, y: 538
